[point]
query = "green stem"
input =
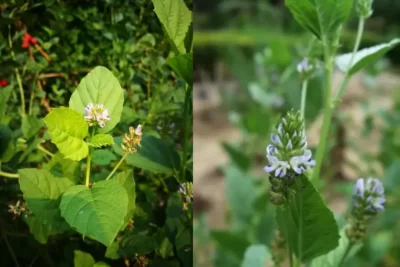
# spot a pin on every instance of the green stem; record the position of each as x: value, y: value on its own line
x: 45, y: 150
x: 327, y: 116
x: 303, y: 97
x: 346, y: 253
x: 21, y: 89
x: 347, y: 75
x: 117, y: 166
x: 290, y: 253
x: 87, y: 180
x: 9, y: 175
x: 186, y: 121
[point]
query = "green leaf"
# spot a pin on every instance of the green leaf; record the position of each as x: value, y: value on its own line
x: 154, y: 155
x: 101, y: 264
x: 83, y: 259
x: 322, y: 17
x: 237, y: 156
x: 67, y: 129
x: 4, y: 96
x: 30, y: 126
x: 112, y: 251
x: 183, y: 65
x: 5, y: 139
x: 100, y: 140
x: 140, y: 244
x: 333, y: 258
x: 100, y: 86
x: 240, y: 194
x: 62, y: 167
x: 256, y: 256
x: 103, y: 157
x: 98, y: 212
x: 42, y: 231
x: 126, y: 179
x: 364, y: 57
x: 312, y: 227
x: 42, y: 193
x: 176, y: 18
x: 234, y: 242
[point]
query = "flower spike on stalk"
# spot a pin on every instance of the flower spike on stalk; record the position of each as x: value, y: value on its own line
x: 368, y: 200
x: 131, y: 140
x: 96, y: 114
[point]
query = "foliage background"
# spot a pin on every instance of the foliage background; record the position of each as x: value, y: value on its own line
x: 127, y: 38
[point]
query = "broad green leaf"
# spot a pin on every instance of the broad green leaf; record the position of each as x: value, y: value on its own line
x: 154, y: 155
x: 101, y: 264
x: 240, y: 194
x: 364, y: 57
x: 333, y: 258
x: 183, y: 65
x: 4, y: 96
x: 312, y: 229
x: 67, y: 129
x: 256, y: 256
x: 238, y: 157
x: 100, y: 86
x: 30, y: 126
x: 98, y: 212
x: 62, y: 167
x: 140, y: 244
x: 234, y: 242
x: 322, y: 17
x: 5, y: 139
x: 42, y: 193
x: 41, y: 231
x: 176, y: 18
x: 103, y: 157
x: 100, y: 140
x: 126, y: 179
x: 83, y: 259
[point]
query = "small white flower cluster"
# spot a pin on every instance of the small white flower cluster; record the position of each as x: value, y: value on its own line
x: 17, y: 209
x: 299, y: 163
x: 304, y: 66
x: 96, y: 113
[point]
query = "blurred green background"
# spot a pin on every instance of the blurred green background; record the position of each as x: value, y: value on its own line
x: 246, y: 52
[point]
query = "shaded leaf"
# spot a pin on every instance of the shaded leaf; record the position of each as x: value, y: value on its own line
x: 234, y: 242
x: 126, y: 179
x: 83, y: 259
x: 103, y: 157
x: 5, y: 93
x: 256, y: 256
x: 183, y: 65
x: 98, y: 212
x: 30, y: 126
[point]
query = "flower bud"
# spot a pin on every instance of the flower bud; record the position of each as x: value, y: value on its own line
x: 131, y: 140
x: 306, y: 68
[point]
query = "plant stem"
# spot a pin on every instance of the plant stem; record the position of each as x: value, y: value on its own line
x: 347, y: 75
x: 186, y: 122
x: 346, y: 253
x: 21, y: 89
x: 45, y: 150
x: 117, y: 166
x: 327, y: 116
x: 290, y: 253
x: 9, y: 175
x: 303, y: 97
x: 87, y: 180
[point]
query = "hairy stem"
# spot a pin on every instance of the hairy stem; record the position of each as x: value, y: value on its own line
x: 328, y: 56
x: 303, y: 98
x: 9, y: 175
x: 117, y: 166
x: 347, y: 75
x: 186, y: 121
x: 44, y: 150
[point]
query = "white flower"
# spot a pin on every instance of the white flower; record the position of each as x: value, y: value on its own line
x: 138, y: 130
x: 301, y: 163
x: 280, y: 167
x: 96, y: 114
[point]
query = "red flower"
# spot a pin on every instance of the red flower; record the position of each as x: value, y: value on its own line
x: 3, y: 83
x: 27, y: 40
